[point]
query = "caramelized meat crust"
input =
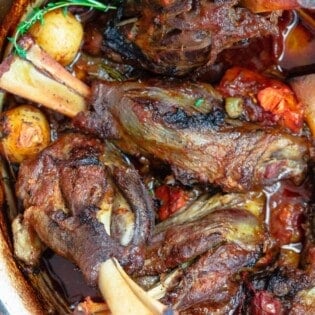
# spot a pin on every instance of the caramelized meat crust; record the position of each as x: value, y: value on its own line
x: 174, y: 37
x: 161, y: 119
x: 70, y: 187
x: 209, y: 255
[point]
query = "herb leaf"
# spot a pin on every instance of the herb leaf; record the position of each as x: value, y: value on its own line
x: 38, y: 14
x: 199, y: 102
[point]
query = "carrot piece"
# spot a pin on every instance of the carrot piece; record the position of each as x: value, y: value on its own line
x: 282, y: 103
x: 258, y: 6
x: 272, y: 95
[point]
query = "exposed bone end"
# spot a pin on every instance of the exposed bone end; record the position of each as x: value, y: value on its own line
x: 24, y: 80
x: 124, y: 296
x: 41, y: 79
x: 44, y: 62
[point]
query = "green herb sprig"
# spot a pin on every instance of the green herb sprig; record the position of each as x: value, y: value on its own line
x: 199, y: 102
x: 37, y: 14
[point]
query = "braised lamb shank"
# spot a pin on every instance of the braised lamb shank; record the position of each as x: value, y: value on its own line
x: 165, y: 120
x: 86, y: 201
x: 69, y: 193
x: 175, y: 37
x: 216, y: 249
x: 80, y: 182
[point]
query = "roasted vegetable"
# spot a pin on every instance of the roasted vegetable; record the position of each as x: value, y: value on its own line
x: 259, y: 6
x: 60, y: 35
x: 24, y: 132
x: 171, y: 199
x: 272, y: 96
x: 27, y: 246
x: 38, y: 14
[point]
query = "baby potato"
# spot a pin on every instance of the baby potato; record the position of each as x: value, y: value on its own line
x: 24, y: 132
x: 60, y: 35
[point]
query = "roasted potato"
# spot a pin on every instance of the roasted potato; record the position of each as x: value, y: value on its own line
x: 24, y: 132
x: 60, y: 35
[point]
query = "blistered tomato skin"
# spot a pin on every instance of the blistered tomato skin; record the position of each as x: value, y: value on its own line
x: 172, y: 199
x: 273, y: 100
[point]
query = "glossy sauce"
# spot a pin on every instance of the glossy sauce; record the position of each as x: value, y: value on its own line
x: 285, y: 212
x: 68, y: 279
x: 298, y: 53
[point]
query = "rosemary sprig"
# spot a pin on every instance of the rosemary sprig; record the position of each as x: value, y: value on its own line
x: 37, y: 14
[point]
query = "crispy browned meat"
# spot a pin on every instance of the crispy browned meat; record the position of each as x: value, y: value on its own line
x: 281, y: 290
x: 183, y: 124
x: 213, y: 284
x: 184, y: 242
x: 174, y: 37
x: 216, y: 247
x: 69, y: 187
